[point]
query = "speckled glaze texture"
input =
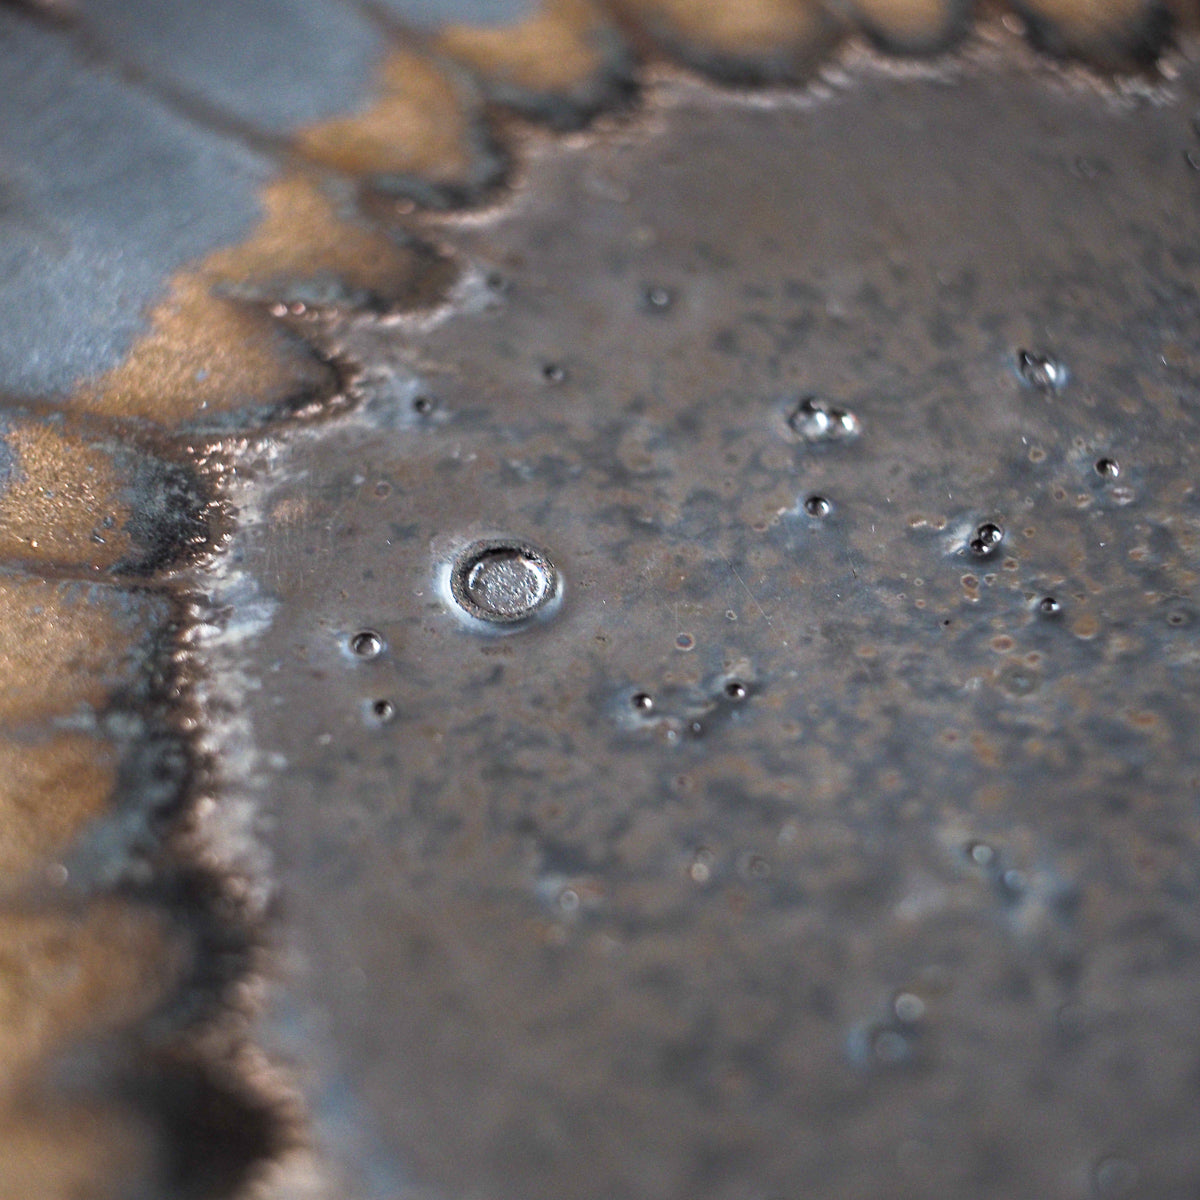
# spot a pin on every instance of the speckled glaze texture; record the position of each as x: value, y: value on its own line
x: 837, y: 835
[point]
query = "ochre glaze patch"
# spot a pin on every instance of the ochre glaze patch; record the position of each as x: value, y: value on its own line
x: 65, y: 975
x: 748, y: 27
x: 56, y: 1151
x: 415, y: 126
x: 62, y: 504
x: 68, y: 646
x: 202, y: 356
x: 554, y: 51
x: 49, y: 789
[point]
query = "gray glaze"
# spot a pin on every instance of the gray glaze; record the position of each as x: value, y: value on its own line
x: 803, y: 851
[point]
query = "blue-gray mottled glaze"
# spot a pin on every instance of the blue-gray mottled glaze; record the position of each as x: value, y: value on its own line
x: 426, y: 13
x: 103, y: 194
x: 275, y: 64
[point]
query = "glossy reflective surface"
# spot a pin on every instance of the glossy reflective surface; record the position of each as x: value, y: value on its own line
x: 810, y: 846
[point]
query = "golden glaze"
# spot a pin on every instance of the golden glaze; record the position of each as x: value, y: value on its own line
x: 65, y: 975
x: 553, y: 51
x: 49, y: 789
x: 64, y: 647
x: 63, y: 504
x: 416, y: 125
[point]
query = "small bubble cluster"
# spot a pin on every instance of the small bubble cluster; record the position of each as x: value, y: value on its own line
x: 1041, y: 371
x: 816, y: 420
x: 687, y: 714
x: 894, y: 1041
x: 986, y: 539
x: 1011, y: 883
